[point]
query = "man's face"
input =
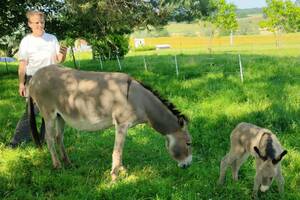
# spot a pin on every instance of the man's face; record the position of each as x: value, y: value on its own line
x: 37, y: 25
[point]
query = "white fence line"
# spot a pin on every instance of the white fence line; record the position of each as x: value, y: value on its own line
x: 211, y: 64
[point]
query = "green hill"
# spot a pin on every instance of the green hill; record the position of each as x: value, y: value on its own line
x: 243, y: 13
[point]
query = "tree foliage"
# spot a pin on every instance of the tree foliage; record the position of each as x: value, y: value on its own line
x: 104, y: 21
x: 223, y: 15
x: 190, y: 10
x: 281, y: 15
x: 13, y: 20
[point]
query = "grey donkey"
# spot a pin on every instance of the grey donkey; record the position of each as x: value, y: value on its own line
x: 248, y: 139
x: 93, y: 101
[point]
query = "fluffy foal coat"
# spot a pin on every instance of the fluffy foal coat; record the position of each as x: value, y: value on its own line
x: 248, y: 139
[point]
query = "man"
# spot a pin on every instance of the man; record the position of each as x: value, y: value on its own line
x: 37, y: 50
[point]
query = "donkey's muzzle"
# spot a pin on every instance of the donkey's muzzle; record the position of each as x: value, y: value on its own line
x: 184, y: 166
x: 185, y: 163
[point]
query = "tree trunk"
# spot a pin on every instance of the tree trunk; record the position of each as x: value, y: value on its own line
x: 276, y: 39
x: 73, y: 56
x: 231, y: 37
x: 210, y: 41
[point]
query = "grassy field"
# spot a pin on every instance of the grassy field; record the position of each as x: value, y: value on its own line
x: 252, y: 44
x: 208, y: 90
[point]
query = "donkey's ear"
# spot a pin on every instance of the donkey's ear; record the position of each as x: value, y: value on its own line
x: 257, y: 151
x: 277, y: 160
x: 182, y: 122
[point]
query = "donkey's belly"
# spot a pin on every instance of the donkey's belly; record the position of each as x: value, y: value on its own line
x: 89, y: 124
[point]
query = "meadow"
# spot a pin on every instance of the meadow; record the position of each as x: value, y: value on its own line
x: 208, y: 90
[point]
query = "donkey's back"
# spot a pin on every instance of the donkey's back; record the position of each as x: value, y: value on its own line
x: 85, y: 100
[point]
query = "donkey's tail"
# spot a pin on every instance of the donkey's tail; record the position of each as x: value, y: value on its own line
x: 34, y: 131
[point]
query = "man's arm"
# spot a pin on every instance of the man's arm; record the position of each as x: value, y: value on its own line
x: 21, y: 72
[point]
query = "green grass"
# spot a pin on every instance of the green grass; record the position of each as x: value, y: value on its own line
x: 208, y: 91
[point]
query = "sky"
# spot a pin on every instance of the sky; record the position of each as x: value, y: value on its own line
x: 249, y: 3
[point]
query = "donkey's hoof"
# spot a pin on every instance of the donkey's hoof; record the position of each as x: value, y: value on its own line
x: 57, y: 165
x: 254, y: 196
x: 114, y: 178
x: 122, y: 169
x: 220, y: 182
x: 67, y: 162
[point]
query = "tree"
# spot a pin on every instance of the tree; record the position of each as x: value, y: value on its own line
x: 190, y: 10
x: 105, y: 21
x: 92, y: 20
x: 281, y: 15
x: 223, y: 17
x: 13, y: 20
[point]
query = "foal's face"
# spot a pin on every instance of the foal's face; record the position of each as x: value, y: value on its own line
x: 268, y: 172
x: 179, y: 146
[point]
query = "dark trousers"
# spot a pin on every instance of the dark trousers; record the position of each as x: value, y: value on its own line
x: 23, y: 132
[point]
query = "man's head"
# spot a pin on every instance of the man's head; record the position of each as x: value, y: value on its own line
x: 36, y: 22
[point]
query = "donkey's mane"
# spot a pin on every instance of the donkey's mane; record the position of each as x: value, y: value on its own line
x: 269, y: 146
x: 168, y: 104
x: 269, y: 149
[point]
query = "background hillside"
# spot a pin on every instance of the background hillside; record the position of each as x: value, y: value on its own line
x: 248, y: 21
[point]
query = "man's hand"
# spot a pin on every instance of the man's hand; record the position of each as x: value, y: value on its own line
x: 62, y: 54
x: 22, y: 90
x: 63, y: 50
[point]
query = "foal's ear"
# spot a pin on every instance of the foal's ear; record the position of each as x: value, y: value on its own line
x: 258, y: 153
x: 277, y: 160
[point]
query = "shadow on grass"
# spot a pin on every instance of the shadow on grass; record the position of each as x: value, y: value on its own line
x: 201, y: 90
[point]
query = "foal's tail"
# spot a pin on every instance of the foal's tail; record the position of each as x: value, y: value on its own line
x: 34, y: 132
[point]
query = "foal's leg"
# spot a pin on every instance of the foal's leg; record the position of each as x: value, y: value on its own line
x: 257, y: 178
x: 237, y: 164
x: 234, y: 159
x: 121, y: 132
x: 280, y: 180
x: 50, y: 135
x: 226, y: 161
x: 60, y: 123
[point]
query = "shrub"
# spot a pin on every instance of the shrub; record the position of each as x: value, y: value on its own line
x: 110, y: 46
x: 145, y: 48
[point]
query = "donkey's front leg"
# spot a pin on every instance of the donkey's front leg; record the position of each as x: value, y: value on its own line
x: 59, y: 139
x: 50, y: 134
x: 257, y: 183
x: 280, y: 180
x: 121, y: 131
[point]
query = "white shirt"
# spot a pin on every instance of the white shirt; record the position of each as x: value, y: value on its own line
x: 38, y: 51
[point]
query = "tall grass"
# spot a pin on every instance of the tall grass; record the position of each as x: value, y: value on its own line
x: 208, y: 90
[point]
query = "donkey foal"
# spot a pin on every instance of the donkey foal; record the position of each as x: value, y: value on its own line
x: 248, y: 139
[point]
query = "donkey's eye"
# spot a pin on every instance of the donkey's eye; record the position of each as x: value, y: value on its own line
x: 188, y: 144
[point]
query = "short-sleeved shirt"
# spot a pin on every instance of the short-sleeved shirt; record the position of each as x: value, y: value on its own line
x: 38, y: 51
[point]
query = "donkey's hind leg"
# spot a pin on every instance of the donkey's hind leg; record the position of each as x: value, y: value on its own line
x: 237, y: 164
x: 50, y: 135
x: 226, y: 161
x: 117, y: 165
x: 234, y: 159
x: 60, y: 123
